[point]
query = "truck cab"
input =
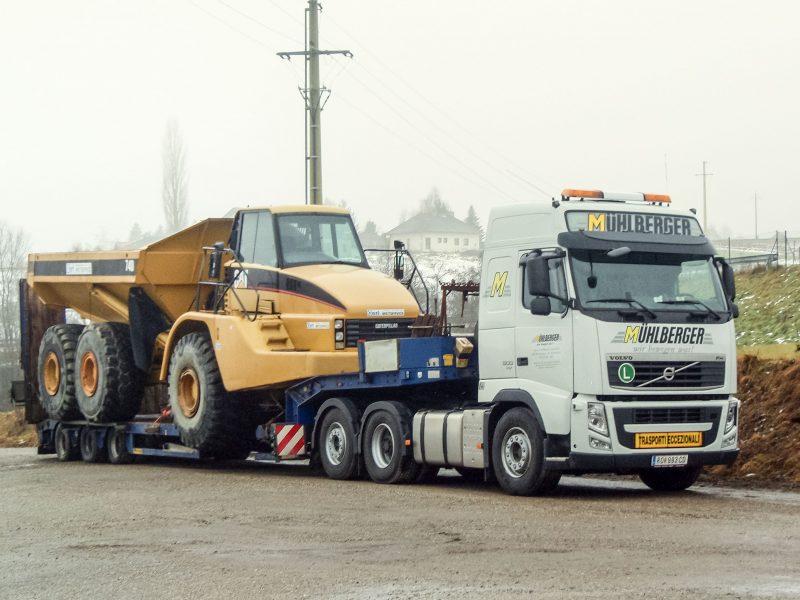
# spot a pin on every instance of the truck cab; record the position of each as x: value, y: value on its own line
x: 609, y: 316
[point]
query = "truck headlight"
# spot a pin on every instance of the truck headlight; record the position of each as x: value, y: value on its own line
x: 730, y: 419
x: 597, y: 418
x: 339, y: 336
x: 338, y: 324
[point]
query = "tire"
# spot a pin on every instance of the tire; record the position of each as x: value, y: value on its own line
x: 671, y: 479
x: 383, y: 449
x: 56, y: 372
x: 91, y: 451
x: 208, y: 418
x: 65, y: 449
x: 109, y: 386
x: 117, y: 444
x: 337, y: 445
x: 518, y: 455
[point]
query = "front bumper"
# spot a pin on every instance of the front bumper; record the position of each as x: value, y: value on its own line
x: 610, y: 463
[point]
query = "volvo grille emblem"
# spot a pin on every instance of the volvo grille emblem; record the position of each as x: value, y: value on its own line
x: 669, y: 373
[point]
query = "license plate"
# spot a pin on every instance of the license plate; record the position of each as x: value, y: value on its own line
x: 670, y: 460
x: 675, y: 439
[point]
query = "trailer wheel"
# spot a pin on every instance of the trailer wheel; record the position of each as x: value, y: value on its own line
x: 91, y: 451
x: 117, y: 443
x: 56, y: 371
x: 518, y: 455
x: 110, y: 386
x: 65, y: 449
x: 337, y: 445
x: 208, y: 418
x: 384, y: 458
x: 672, y: 479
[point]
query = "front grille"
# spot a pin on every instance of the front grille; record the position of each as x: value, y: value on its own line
x: 651, y: 375
x: 666, y: 416
x: 660, y: 397
x: 646, y: 416
x: 375, y: 329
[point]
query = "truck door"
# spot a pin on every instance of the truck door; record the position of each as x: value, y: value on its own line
x: 543, y: 345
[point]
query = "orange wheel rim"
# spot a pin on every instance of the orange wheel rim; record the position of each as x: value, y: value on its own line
x: 89, y: 374
x: 189, y: 392
x: 52, y: 373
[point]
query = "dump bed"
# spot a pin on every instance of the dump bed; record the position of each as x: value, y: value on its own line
x: 97, y: 284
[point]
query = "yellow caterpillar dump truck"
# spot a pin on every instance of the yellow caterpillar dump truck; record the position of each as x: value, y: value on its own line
x: 211, y: 322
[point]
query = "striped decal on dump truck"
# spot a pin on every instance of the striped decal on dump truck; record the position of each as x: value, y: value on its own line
x: 290, y: 440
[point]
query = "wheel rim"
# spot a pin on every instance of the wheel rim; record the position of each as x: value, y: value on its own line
x: 189, y: 392
x: 516, y: 452
x: 335, y: 444
x: 52, y: 373
x: 382, y: 445
x: 89, y: 374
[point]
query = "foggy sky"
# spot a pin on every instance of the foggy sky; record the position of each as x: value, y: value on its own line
x: 470, y: 97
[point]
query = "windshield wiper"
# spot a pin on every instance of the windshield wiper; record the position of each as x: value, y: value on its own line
x: 630, y: 301
x: 710, y: 310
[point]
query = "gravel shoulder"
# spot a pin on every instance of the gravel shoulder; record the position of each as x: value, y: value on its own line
x: 182, y: 530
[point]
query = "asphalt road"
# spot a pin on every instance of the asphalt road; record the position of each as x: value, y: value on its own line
x: 180, y: 530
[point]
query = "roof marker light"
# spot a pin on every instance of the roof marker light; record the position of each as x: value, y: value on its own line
x: 582, y: 194
x: 662, y: 198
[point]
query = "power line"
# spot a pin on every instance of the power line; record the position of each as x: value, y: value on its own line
x: 229, y: 26
x: 257, y: 21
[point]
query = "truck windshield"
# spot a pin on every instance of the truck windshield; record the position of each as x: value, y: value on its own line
x: 647, y: 282
x: 319, y: 239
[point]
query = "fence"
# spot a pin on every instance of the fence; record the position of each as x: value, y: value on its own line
x: 773, y: 251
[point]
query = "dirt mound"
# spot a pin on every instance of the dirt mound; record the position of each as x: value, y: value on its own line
x: 14, y: 432
x: 769, y: 424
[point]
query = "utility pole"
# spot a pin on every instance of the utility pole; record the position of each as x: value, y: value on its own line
x: 755, y: 208
x: 315, y: 98
x: 704, y: 175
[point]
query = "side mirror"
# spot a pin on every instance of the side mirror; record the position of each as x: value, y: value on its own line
x: 728, y: 280
x: 399, y: 261
x: 537, y: 272
x: 540, y: 306
x: 215, y: 260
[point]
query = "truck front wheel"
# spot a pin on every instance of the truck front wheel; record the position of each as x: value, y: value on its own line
x: 207, y: 417
x: 518, y: 455
x: 670, y: 479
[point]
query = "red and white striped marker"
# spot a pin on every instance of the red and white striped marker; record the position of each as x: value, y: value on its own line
x: 290, y: 440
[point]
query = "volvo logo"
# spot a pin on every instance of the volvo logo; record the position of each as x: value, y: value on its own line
x: 669, y: 374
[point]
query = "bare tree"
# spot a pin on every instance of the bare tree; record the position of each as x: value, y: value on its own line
x: 433, y: 204
x: 13, y: 251
x: 175, y: 180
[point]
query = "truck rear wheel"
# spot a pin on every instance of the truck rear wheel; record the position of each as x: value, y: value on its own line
x: 518, y: 455
x: 110, y: 386
x: 384, y: 456
x: 207, y: 417
x: 337, y: 445
x: 65, y: 449
x: 670, y: 479
x: 117, y: 443
x: 90, y: 448
x: 56, y: 372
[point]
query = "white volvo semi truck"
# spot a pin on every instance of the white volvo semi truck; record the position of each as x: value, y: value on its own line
x: 605, y: 343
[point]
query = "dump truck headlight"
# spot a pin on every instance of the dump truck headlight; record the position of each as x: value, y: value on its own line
x: 597, y: 444
x: 339, y: 336
x: 730, y: 419
x: 597, y: 418
x: 338, y: 324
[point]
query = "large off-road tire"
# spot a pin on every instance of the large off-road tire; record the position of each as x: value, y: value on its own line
x: 56, y: 372
x: 117, y: 445
x: 337, y: 445
x: 208, y: 418
x: 518, y: 455
x: 383, y: 449
x: 109, y: 387
x: 90, y: 447
x: 65, y: 449
x: 670, y: 479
